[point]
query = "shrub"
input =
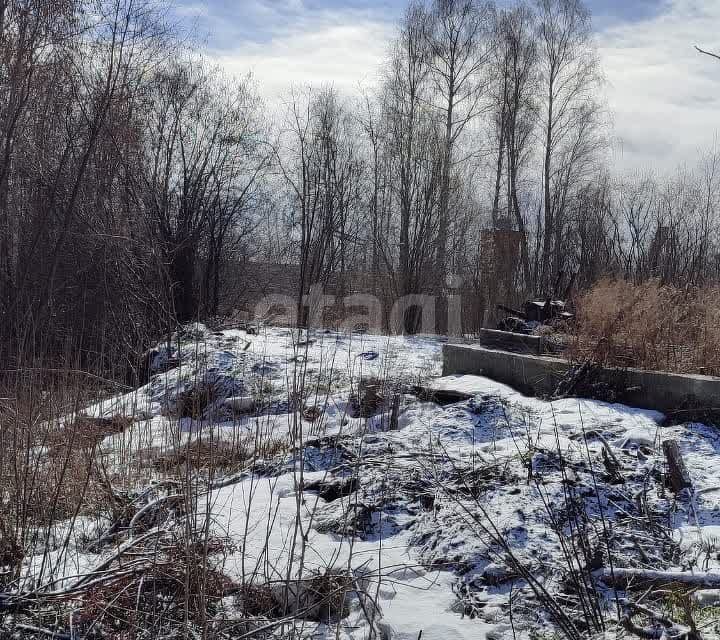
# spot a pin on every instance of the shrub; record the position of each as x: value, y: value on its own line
x: 649, y: 326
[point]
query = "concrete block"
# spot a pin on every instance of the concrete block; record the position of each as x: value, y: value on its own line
x: 539, y: 375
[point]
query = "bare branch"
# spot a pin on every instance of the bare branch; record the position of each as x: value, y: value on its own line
x: 708, y: 53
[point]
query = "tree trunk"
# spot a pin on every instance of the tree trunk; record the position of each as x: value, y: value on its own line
x: 182, y: 277
x: 548, y: 207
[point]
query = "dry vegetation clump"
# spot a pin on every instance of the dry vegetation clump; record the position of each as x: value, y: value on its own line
x: 85, y: 432
x: 649, y: 326
x: 321, y: 596
x: 270, y: 447
x: 193, y: 403
x: 182, y: 585
x: 50, y: 471
x: 64, y: 484
x: 257, y: 600
x: 218, y: 454
x: 205, y: 454
x: 186, y: 587
x: 330, y: 589
x: 370, y: 398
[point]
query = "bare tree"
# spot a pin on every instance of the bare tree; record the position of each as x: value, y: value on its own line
x: 320, y: 162
x: 459, y: 46
x: 515, y: 117
x: 569, y: 80
x: 77, y: 81
x: 202, y: 167
x: 27, y: 30
x: 414, y: 136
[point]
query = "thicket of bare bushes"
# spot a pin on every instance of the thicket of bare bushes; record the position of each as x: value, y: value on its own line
x: 126, y: 167
x: 133, y: 173
x: 650, y: 326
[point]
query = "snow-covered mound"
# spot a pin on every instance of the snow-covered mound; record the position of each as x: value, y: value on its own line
x: 495, y: 516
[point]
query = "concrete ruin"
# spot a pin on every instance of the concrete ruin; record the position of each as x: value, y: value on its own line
x: 535, y: 374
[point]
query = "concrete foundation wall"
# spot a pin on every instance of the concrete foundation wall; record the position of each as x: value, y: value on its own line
x: 531, y: 374
x: 539, y: 375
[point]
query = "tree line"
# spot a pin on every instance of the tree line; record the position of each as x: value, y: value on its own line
x: 135, y: 176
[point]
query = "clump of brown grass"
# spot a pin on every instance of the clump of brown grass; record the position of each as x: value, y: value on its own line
x: 271, y: 447
x: 50, y: 468
x: 331, y: 590
x: 85, y: 432
x: 192, y: 403
x: 53, y: 481
x: 649, y: 326
x: 205, y: 454
x: 257, y: 600
x: 218, y: 454
x: 68, y: 481
x: 184, y: 585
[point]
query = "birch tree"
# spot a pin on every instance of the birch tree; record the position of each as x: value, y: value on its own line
x: 570, y: 116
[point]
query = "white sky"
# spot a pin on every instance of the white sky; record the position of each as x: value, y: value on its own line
x: 664, y: 97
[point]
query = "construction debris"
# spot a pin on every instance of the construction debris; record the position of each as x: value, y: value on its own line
x: 534, y: 312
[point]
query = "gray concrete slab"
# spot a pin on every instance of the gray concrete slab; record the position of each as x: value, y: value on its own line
x: 539, y: 375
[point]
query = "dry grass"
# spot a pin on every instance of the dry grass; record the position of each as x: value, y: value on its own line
x: 218, y: 455
x: 85, y: 432
x: 49, y: 471
x: 331, y: 589
x: 184, y: 585
x: 257, y: 600
x: 205, y: 454
x: 649, y: 326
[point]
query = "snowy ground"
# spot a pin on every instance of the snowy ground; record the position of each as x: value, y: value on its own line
x: 436, y: 520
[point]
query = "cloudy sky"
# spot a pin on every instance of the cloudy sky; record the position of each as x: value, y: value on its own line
x: 663, y: 95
